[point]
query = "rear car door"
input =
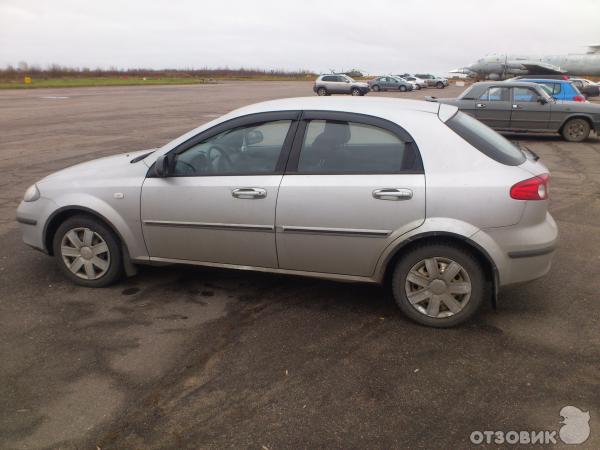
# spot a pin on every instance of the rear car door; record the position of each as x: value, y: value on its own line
x: 527, y: 113
x: 353, y: 184
x: 493, y: 107
x: 218, y: 204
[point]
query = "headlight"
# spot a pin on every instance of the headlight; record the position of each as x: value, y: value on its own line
x: 31, y: 194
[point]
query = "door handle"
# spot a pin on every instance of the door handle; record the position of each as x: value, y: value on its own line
x: 392, y: 194
x: 516, y: 106
x: 249, y: 193
x: 480, y: 105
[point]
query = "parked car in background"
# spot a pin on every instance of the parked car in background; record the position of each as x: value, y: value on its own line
x: 521, y: 106
x: 586, y: 87
x: 562, y: 90
x: 340, y: 83
x: 329, y: 188
x: 417, y: 82
x: 389, y: 83
x: 432, y: 80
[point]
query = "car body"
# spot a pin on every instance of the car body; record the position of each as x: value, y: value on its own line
x: 389, y: 83
x: 561, y: 90
x: 432, y: 80
x: 417, y: 82
x: 586, y: 87
x: 346, y: 189
x: 339, y: 83
x: 521, y: 106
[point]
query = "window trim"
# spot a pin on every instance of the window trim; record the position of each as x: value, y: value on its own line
x: 341, y: 116
x: 236, y: 122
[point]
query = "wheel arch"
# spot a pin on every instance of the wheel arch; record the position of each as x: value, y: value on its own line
x: 583, y: 116
x: 444, y: 237
x: 65, y: 212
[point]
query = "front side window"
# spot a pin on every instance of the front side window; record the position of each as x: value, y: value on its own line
x: 337, y: 147
x: 251, y: 149
x: 496, y: 94
x: 522, y: 94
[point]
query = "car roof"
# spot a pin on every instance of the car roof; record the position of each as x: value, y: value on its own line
x: 548, y: 80
x: 375, y: 106
x: 507, y: 83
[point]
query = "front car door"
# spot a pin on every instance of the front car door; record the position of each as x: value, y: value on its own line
x: 354, y: 183
x: 218, y: 203
x: 493, y: 107
x: 527, y: 110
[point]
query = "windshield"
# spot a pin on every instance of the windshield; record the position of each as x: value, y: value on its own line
x: 486, y: 140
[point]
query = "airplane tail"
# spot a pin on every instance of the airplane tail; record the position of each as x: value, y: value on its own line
x: 594, y: 49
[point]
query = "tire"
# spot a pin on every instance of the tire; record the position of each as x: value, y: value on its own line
x: 99, y: 263
x: 402, y: 88
x: 453, y: 308
x: 321, y: 92
x: 417, y: 87
x: 355, y: 92
x: 575, y: 130
x: 439, y: 85
x: 376, y: 88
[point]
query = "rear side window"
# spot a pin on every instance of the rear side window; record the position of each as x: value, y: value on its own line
x: 486, y: 140
x: 338, y: 147
x: 496, y: 94
x: 329, y: 78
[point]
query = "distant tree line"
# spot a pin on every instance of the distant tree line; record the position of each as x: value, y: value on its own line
x: 22, y: 69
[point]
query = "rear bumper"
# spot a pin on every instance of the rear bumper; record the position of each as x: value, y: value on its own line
x: 520, y: 253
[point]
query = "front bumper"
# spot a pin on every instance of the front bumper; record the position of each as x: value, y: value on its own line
x: 32, y: 218
x: 520, y: 253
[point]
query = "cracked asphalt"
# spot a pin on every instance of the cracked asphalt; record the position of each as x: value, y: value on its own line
x: 187, y: 357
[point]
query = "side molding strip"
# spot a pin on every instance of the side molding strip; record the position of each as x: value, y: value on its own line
x: 208, y: 225
x: 337, y: 231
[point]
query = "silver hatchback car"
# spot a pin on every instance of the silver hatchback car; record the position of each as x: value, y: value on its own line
x: 375, y: 190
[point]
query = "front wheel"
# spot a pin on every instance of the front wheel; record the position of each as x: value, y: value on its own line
x: 439, y: 285
x: 355, y: 92
x: 576, y: 130
x: 439, y: 85
x: 417, y: 87
x: 402, y: 88
x: 88, y: 252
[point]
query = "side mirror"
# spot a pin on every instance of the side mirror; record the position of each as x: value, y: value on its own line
x: 161, y: 166
x: 542, y: 100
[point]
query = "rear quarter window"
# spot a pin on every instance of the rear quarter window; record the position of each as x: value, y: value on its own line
x: 486, y: 140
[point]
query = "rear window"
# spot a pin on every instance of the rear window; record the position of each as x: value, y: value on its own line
x: 486, y: 140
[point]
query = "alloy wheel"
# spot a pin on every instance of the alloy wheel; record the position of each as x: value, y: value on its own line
x: 438, y: 287
x: 85, y: 253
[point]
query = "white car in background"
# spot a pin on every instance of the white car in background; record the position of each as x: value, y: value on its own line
x: 417, y: 82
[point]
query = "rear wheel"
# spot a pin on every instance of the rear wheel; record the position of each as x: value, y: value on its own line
x: 402, y: 88
x: 576, y: 130
x: 321, y: 91
x: 438, y: 285
x: 376, y: 88
x: 88, y: 252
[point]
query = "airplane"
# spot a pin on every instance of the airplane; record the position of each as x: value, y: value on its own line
x: 501, y: 66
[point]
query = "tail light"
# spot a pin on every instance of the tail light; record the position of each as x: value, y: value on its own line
x: 536, y: 188
x: 579, y: 98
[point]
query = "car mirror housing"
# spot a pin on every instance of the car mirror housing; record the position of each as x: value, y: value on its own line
x: 542, y: 100
x: 161, y: 166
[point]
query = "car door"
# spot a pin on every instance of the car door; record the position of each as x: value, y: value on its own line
x: 493, y: 107
x: 354, y: 183
x: 394, y: 84
x: 218, y: 203
x: 342, y: 85
x: 527, y: 110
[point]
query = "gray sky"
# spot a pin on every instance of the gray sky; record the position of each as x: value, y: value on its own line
x: 378, y: 36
